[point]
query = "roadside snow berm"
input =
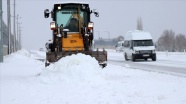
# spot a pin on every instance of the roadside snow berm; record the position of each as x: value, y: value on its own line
x: 74, y: 67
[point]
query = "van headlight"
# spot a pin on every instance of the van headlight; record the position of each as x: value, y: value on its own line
x: 136, y: 51
x: 153, y: 51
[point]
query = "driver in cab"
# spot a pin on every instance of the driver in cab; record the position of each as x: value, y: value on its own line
x: 73, y: 25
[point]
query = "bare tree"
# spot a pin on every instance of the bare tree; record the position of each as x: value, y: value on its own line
x: 139, y: 24
x: 120, y: 38
x: 166, y: 41
x: 160, y: 44
x: 180, y: 42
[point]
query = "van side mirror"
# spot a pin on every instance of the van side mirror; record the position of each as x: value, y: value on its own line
x: 46, y: 13
x: 131, y: 47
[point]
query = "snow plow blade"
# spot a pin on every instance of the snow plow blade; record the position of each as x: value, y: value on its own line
x: 100, y: 56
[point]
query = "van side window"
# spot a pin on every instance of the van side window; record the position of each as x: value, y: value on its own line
x: 126, y: 44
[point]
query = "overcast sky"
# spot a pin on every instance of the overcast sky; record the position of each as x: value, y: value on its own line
x: 116, y: 18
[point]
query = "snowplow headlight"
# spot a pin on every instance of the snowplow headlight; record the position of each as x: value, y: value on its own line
x: 52, y: 25
x: 59, y: 7
x: 90, y: 25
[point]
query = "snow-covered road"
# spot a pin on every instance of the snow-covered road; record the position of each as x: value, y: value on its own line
x: 169, y: 63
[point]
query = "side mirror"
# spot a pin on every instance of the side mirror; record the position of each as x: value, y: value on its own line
x: 46, y: 13
x: 52, y: 14
x: 95, y: 13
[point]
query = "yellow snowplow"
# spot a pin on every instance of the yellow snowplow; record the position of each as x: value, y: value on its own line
x: 73, y: 32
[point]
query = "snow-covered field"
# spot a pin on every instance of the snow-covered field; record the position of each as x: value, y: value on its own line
x: 78, y: 79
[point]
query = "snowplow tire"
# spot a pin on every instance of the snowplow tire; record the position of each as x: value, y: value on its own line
x: 103, y: 65
x: 47, y: 64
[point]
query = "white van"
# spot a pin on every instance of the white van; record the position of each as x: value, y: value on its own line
x: 139, y: 45
x: 119, y: 46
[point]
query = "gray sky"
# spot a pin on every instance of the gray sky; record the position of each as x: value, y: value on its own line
x: 116, y: 17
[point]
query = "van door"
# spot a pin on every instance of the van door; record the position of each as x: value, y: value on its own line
x: 126, y: 48
x: 130, y: 49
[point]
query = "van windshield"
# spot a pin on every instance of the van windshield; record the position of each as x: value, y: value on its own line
x: 142, y: 43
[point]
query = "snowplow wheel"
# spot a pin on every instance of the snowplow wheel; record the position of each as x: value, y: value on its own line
x: 86, y: 44
x: 47, y: 64
x: 103, y: 65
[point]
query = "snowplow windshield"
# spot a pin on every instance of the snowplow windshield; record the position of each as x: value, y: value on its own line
x: 70, y: 18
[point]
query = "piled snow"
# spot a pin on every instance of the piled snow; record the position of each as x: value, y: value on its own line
x: 38, y: 54
x: 21, y: 61
x: 19, y: 54
x: 78, y: 79
x: 78, y: 67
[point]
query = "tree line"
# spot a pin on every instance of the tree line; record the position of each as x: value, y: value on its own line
x: 169, y: 41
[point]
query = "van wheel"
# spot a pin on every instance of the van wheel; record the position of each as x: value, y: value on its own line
x: 153, y: 58
x: 133, y: 58
x: 126, y: 57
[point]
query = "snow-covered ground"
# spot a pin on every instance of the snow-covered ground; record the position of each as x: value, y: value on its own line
x: 78, y: 79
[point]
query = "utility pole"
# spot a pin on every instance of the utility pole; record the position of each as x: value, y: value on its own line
x: 1, y: 35
x: 20, y: 41
x: 18, y: 35
x: 8, y: 25
x: 108, y: 35
x: 17, y: 41
x: 98, y: 34
x: 15, y: 45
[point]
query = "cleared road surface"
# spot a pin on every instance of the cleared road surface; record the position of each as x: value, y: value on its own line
x: 169, y: 63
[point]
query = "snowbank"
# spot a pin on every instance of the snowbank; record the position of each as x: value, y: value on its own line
x: 73, y: 68
x: 38, y: 54
x: 19, y: 54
